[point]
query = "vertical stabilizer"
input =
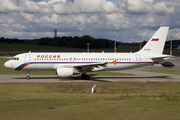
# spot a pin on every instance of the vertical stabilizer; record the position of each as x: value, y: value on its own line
x: 157, y: 41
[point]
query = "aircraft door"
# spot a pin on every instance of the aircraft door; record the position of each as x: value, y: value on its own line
x: 27, y: 58
x: 74, y: 59
x: 70, y: 59
x: 138, y: 59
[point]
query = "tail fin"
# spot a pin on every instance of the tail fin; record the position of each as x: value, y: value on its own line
x: 157, y: 41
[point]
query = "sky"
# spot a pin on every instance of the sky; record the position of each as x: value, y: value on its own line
x: 129, y: 20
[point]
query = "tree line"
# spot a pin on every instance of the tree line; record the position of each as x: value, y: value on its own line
x: 65, y: 41
x: 77, y: 42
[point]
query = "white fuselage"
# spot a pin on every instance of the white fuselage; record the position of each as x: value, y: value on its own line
x: 52, y: 61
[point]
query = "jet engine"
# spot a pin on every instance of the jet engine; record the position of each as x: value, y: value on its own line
x: 66, y: 72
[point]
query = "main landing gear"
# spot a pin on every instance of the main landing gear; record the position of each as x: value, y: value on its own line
x: 85, y: 76
x: 28, y: 75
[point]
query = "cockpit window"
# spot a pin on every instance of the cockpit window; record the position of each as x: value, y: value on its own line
x: 15, y: 58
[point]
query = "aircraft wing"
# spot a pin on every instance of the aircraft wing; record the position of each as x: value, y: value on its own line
x: 94, y: 66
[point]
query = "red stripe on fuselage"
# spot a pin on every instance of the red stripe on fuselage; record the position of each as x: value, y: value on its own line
x: 23, y: 66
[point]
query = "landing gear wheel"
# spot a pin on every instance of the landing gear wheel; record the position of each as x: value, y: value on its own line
x: 83, y: 75
x: 27, y: 77
x: 86, y: 77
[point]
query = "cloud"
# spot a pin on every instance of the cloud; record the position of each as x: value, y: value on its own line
x: 37, y: 0
x: 145, y: 22
x: 130, y: 20
x: 9, y: 6
x: 84, y: 6
x: 117, y: 21
x: 1, y: 21
x: 29, y: 17
x: 11, y: 25
x: 79, y: 22
x: 150, y: 1
x: 30, y: 6
x: 10, y: 21
x: 161, y: 8
x: 146, y: 34
x: 56, y: 1
x: 138, y: 7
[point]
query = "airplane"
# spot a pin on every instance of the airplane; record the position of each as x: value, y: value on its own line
x: 69, y: 64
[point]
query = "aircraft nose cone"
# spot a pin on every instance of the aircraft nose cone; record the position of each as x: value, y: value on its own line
x: 7, y: 65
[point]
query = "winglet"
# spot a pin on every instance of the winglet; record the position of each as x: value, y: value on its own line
x: 114, y: 62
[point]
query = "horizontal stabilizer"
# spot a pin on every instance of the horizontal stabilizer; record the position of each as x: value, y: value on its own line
x: 161, y: 57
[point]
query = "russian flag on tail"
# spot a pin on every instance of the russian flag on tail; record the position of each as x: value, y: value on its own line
x: 155, y: 39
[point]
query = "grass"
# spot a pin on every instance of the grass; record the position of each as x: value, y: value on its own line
x: 175, y: 72
x: 68, y: 101
x: 175, y: 52
x: 6, y: 71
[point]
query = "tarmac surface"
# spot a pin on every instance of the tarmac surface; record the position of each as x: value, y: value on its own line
x: 138, y: 76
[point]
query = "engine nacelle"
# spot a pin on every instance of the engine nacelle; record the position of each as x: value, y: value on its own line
x: 66, y: 72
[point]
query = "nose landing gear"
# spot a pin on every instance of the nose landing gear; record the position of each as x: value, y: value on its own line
x: 28, y: 75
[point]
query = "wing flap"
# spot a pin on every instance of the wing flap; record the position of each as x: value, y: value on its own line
x: 94, y: 65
